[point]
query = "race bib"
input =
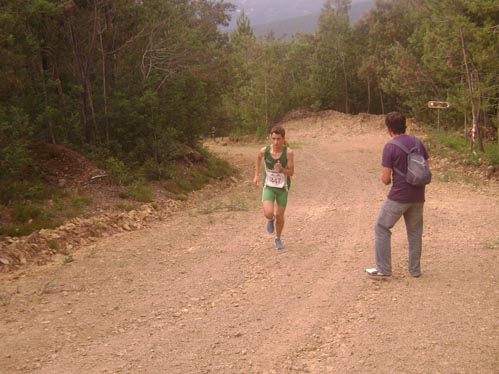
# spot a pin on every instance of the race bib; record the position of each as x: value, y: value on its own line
x: 275, y: 179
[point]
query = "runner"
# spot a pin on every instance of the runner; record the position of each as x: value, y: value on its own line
x: 279, y: 167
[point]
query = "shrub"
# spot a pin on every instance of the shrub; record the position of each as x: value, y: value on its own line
x: 118, y: 170
x: 141, y: 193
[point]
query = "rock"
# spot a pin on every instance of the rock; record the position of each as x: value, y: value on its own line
x: 42, y: 245
x: 493, y: 171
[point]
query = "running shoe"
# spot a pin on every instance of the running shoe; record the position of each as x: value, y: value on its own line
x: 278, y: 244
x: 376, y: 272
x: 270, y: 225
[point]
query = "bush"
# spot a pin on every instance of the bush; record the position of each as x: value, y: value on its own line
x: 492, y: 151
x: 455, y: 142
x: 24, y: 213
x: 141, y: 193
x: 12, y: 191
x: 118, y: 170
x: 28, y: 218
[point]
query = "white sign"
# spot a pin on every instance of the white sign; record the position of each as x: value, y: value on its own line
x: 438, y: 104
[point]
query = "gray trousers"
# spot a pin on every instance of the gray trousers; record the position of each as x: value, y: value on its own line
x: 388, y: 217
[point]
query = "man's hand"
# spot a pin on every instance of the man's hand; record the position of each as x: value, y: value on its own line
x: 386, y: 176
x: 255, y: 180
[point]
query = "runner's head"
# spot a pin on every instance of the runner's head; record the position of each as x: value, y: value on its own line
x: 277, y: 135
x: 395, y: 122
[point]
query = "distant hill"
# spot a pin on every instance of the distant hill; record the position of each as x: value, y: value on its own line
x: 306, y: 24
x: 265, y: 11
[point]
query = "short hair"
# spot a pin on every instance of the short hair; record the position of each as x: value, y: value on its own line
x: 279, y: 130
x: 395, y: 121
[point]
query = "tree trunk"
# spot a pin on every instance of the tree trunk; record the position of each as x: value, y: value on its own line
x: 471, y: 90
x: 368, y: 94
x: 88, y: 133
x: 109, y: 25
x: 382, y: 103
x: 43, y: 68
x: 345, y: 79
x: 465, y: 125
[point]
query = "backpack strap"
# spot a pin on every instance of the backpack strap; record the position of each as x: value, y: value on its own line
x: 398, y: 144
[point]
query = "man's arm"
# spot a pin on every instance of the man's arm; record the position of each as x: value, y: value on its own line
x: 386, y: 176
x: 259, y: 157
x: 289, y: 170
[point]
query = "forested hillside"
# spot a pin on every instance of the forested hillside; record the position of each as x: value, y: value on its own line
x: 306, y: 24
x: 134, y: 85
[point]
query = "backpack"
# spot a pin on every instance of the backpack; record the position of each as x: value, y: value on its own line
x: 418, y: 171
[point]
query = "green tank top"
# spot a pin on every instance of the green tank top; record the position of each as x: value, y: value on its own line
x: 270, y: 162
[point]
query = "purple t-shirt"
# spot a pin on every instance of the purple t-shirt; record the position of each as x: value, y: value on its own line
x: 394, y: 157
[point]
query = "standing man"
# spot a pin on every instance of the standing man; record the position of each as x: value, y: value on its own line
x: 279, y: 167
x: 404, y: 199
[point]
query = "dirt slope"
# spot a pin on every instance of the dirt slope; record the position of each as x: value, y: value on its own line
x: 206, y: 292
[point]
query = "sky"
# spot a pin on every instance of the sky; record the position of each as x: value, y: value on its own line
x: 264, y: 11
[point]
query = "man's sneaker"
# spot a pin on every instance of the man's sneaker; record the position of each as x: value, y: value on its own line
x: 278, y: 244
x: 270, y: 225
x: 376, y: 272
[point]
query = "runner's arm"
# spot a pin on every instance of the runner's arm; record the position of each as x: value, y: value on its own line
x: 259, y: 158
x: 289, y: 170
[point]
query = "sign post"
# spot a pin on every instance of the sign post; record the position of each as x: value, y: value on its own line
x: 438, y: 105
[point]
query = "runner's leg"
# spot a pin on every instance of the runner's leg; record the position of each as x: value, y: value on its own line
x: 279, y: 220
x: 281, y: 203
x: 268, y: 209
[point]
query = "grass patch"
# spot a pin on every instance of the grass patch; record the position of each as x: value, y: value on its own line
x: 295, y: 145
x: 44, y: 211
x: 452, y: 141
x: 68, y: 259
x: 492, y: 244
x: 18, y: 191
x: 188, y: 178
x: 209, y: 207
x: 492, y: 152
x: 237, y: 204
x: 141, y: 193
x: 452, y: 145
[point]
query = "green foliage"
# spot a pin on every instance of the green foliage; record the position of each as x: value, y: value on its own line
x: 218, y: 169
x: 34, y: 206
x: 332, y: 72
x: 149, y: 78
x: 455, y: 142
x: 118, y: 170
x: 492, y: 151
x: 243, y: 31
x: 141, y: 192
x: 24, y: 213
x: 12, y: 191
x: 144, y: 80
x: 456, y: 146
x: 28, y: 218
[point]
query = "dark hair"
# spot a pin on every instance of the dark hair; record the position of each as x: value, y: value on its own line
x: 279, y: 130
x: 395, y: 121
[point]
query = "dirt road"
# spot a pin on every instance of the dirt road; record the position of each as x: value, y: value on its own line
x: 206, y: 292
